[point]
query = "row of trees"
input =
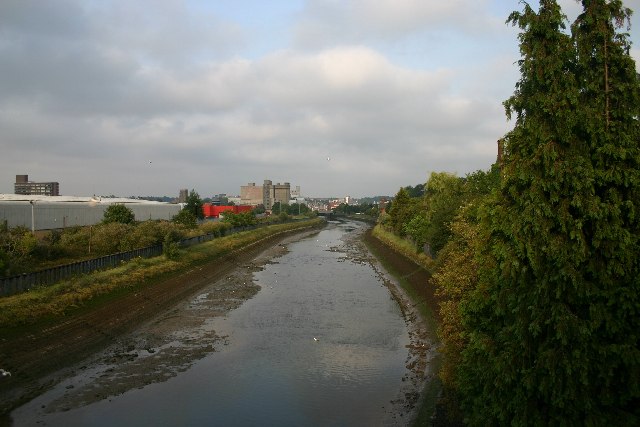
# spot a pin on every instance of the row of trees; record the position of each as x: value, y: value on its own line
x: 368, y: 209
x: 538, y: 264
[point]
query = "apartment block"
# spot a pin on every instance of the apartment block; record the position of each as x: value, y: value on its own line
x: 25, y: 187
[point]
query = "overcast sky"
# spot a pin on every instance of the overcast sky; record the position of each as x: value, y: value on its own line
x: 357, y: 97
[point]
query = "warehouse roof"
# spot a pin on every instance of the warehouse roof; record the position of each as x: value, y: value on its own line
x: 74, y: 199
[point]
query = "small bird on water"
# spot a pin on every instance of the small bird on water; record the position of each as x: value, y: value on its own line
x: 4, y: 373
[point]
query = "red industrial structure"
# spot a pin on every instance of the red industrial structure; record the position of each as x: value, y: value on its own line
x: 213, y: 211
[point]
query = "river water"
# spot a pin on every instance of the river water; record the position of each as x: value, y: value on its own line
x: 321, y: 343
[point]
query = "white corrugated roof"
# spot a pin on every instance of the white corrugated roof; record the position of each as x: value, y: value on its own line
x: 73, y: 199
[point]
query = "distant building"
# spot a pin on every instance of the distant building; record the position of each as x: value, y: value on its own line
x: 267, y: 195
x: 274, y: 193
x: 215, y: 211
x: 182, y: 197
x: 56, y: 212
x: 23, y: 186
x: 251, y: 194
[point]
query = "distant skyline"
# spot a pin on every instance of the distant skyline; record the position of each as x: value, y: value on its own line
x: 354, y: 97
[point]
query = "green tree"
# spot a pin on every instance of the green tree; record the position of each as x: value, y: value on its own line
x: 298, y: 208
x: 417, y: 191
x: 279, y: 208
x: 186, y: 217
x: 194, y: 205
x: 118, y: 213
x: 553, y: 321
x: 455, y: 279
x: 402, y: 210
x: 443, y: 198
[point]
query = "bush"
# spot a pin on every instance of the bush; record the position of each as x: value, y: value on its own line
x: 118, y: 213
x: 170, y: 247
x: 186, y: 218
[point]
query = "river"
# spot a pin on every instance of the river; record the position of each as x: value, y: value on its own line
x: 322, y: 342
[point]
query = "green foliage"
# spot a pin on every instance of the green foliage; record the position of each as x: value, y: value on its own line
x: 147, y: 233
x: 242, y: 219
x: 118, y: 213
x: 417, y: 228
x: 194, y: 205
x: 298, y: 209
x: 21, y: 252
x: 278, y: 208
x: 417, y: 191
x: 552, y: 322
x: 4, y: 263
x: 367, y: 209
x: 186, y: 217
x: 108, y: 238
x: 402, y: 211
x: 455, y: 279
x: 26, y: 244
x: 216, y: 228
x: 75, y: 241
x: 443, y: 198
x: 17, y: 246
x: 170, y: 244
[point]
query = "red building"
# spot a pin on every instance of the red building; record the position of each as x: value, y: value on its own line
x: 212, y: 211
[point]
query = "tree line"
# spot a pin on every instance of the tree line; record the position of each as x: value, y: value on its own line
x: 538, y: 259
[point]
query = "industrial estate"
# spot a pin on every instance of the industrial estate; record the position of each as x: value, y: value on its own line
x: 39, y: 205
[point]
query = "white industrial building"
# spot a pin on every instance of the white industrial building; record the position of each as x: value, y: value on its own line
x: 54, y: 212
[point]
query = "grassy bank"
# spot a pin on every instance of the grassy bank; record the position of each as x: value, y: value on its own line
x: 417, y: 286
x: 404, y: 247
x: 51, y: 303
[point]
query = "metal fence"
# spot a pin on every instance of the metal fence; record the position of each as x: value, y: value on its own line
x: 24, y: 282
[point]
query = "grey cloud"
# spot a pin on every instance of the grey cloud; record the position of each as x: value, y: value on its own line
x: 24, y: 19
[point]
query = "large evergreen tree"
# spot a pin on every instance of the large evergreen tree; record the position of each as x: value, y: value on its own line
x: 553, y: 324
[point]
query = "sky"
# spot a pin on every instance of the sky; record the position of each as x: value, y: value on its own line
x: 342, y: 98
